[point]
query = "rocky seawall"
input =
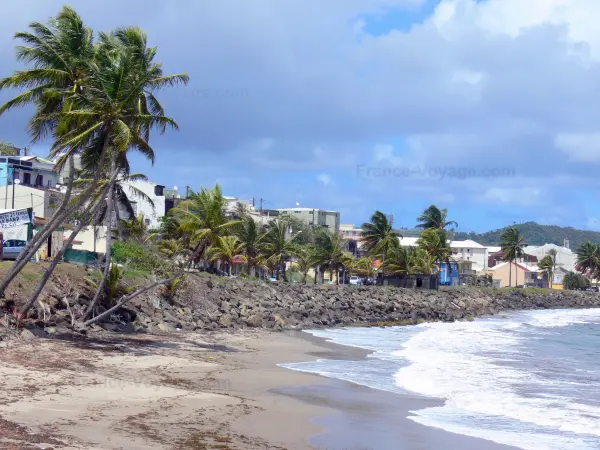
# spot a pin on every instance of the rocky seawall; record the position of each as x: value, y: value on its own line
x: 214, y: 303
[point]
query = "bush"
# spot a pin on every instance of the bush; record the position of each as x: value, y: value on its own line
x: 575, y: 281
x: 139, y: 257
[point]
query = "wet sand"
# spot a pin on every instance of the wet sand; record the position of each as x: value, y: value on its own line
x: 199, y: 391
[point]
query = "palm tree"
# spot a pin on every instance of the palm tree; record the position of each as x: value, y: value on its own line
x: 434, y: 241
x: 58, y: 54
x: 329, y: 252
x: 378, y: 235
x: 277, y: 247
x: 512, y: 243
x: 248, y: 233
x: 433, y: 217
x: 136, y: 228
x: 226, y: 249
x: 588, y: 260
x: 552, y: 253
x: 203, y: 216
x: 304, y: 259
x: 7, y: 149
x: 547, y: 264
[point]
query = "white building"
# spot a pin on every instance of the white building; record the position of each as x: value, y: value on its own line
x: 461, y: 251
x: 152, y: 212
x: 565, y: 258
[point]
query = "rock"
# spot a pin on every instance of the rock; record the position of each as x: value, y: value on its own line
x: 226, y: 320
x: 50, y: 330
x: 163, y: 327
x: 27, y: 335
x: 254, y: 321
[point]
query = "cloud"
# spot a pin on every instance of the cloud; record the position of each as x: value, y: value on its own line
x: 324, y: 179
x: 283, y: 93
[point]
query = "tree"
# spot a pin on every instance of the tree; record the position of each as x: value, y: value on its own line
x: 7, y: 149
x: 227, y: 249
x: 277, y: 247
x: 378, y: 235
x: 304, y: 259
x: 575, y: 281
x: 136, y: 228
x: 248, y: 233
x: 203, y: 216
x: 329, y: 252
x: 588, y: 260
x: 512, y: 245
x: 547, y: 266
x: 434, y: 241
x: 433, y: 217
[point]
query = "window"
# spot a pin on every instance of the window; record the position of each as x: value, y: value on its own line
x: 26, y: 178
x: 159, y: 191
x: 39, y: 181
x: 147, y: 221
x: 297, y: 212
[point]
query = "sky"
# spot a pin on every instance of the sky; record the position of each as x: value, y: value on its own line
x: 488, y: 108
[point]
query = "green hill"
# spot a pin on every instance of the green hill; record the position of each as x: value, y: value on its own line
x: 536, y: 234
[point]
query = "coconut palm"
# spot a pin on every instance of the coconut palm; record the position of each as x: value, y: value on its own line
x: 8, y: 149
x: 136, y: 228
x: 329, y: 252
x: 378, y: 235
x: 588, y: 260
x: 547, y: 265
x: 226, y: 249
x: 277, y: 247
x: 434, y: 241
x: 304, y: 259
x: 512, y: 243
x: 433, y: 217
x: 203, y: 216
x: 248, y: 233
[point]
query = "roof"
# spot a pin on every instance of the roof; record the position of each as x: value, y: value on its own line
x: 465, y: 244
x: 306, y: 209
x: 494, y: 248
x: 37, y: 158
x: 526, y: 267
x: 408, y: 241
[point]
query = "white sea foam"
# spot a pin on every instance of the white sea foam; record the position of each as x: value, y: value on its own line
x: 450, y: 361
x: 480, y: 369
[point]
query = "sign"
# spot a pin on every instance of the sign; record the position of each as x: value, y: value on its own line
x: 14, y: 218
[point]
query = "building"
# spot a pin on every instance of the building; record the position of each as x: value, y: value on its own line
x: 354, y: 237
x: 565, y: 258
x: 155, y: 192
x: 31, y: 171
x: 314, y: 217
x: 517, y: 274
x: 469, y: 250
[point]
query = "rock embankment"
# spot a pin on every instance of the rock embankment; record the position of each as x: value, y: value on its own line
x: 213, y: 303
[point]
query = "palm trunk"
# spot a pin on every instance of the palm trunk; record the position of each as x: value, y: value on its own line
x: 59, y: 216
x: 118, y: 217
x: 510, y: 274
x: 58, y: 257
x: 109, y: 211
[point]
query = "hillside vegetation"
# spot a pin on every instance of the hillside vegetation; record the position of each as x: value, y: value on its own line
x: 536, y: 234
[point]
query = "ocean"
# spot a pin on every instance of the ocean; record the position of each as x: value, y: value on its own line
x: 529, y: 379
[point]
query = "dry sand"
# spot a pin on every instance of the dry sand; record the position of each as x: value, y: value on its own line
x: 189, y: 391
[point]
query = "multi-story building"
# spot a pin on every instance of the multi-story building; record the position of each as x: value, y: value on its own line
x: 470, y: 251
x: 315, y: 217
x: 354, y: 237
x: 155, y: 192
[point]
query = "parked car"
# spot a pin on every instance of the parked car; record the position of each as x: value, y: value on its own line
x: 13, y: 248
x: 355, y: 280
x: 273, y: 279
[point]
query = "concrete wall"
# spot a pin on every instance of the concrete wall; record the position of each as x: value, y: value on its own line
x: 44, y: 202
x: 86, y: 236
x: 150, y: 214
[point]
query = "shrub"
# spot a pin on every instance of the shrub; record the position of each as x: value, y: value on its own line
x: 139, y: 257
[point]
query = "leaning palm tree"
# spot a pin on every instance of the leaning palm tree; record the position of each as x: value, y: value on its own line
x: 304, y: 259
x: 378, y: 235
x: 433, y: 217
x: 225, y: 250
x: 57, y: 54
x: 512, y: 243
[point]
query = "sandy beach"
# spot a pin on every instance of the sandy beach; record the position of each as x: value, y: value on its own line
x: 199, y: 391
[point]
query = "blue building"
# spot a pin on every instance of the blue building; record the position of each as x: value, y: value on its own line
x: 31, y: 171
x: 449, y: 274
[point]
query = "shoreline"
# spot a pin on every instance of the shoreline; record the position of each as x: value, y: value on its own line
x: 379, y: 418
x: 200, y: 390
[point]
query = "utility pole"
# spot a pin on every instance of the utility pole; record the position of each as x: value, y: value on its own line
x: 253, y: 203
x: 261, y: 209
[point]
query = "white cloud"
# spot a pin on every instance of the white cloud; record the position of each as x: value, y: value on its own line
x: 324, y: 179
x: 525, y: 196
x: 584, y: 147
